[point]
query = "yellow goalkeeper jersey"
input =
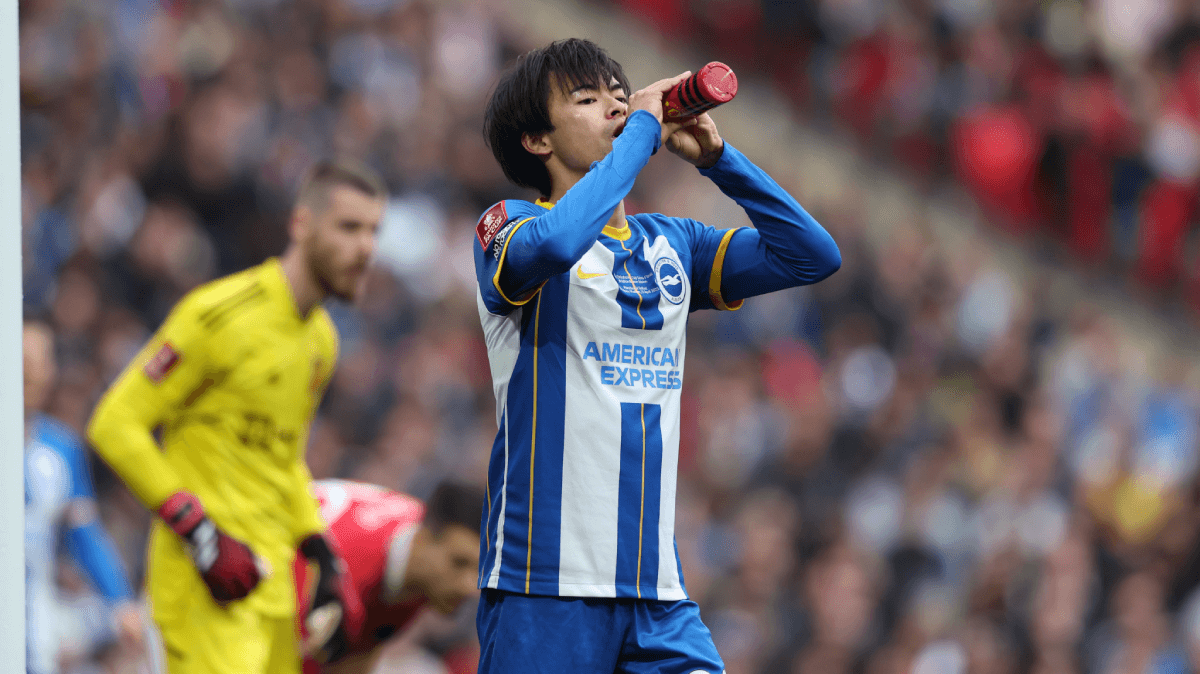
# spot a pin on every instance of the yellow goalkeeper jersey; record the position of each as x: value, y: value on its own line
x: 232, y: 378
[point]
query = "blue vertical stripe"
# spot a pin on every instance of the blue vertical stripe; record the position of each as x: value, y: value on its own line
x: 637, y: 290
x: 491, y: 513
x: 519, y: 415
x: 638, y: 501
x: 545, y: 525
x: 534, y: 412
x: 648, y: 576
x: 629, y: 499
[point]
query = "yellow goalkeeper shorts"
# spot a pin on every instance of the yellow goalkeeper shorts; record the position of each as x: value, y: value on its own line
x: 233, y: 640
x: 198, y: 636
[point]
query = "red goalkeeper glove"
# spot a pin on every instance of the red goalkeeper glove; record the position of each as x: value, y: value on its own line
x: 227, y: 565
x: 332, y: 613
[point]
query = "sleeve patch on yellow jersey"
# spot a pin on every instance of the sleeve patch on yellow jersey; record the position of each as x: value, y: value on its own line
x: 158, y: 367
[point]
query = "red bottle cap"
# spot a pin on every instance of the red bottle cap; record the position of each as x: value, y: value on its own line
x: 717, y: 82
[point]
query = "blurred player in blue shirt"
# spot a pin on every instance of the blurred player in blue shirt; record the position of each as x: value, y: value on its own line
x: 58, y: 492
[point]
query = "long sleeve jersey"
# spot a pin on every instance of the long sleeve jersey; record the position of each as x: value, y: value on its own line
x: 233, y: 378
x: 59, y: 495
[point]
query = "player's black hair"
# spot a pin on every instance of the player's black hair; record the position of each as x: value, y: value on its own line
x: 520, y: 103
x: 455, y: 503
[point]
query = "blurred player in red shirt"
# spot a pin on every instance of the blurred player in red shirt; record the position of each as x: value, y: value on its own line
x: 400, y: 555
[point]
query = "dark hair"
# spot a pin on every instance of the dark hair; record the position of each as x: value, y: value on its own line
x: 455, y: 503
x: 520, y: 102
x: 328, y: 173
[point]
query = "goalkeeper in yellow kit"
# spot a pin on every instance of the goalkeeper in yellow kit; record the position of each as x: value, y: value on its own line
x: 233, y: 378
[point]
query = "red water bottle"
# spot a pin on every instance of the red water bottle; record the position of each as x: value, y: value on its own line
x: 709, y: 87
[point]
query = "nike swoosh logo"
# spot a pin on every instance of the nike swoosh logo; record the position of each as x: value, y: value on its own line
x: 583, y: 275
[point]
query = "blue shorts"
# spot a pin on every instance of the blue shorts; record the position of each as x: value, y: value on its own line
x: 537, y: 634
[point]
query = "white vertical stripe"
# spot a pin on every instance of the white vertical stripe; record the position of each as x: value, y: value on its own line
x: 502, y: 334
x: 669, y: 586
x: 592, y: 437
x: 494, y: 578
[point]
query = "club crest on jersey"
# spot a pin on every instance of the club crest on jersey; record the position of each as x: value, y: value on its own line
x: 161, y: 364
x: 490, y: 223
x: 669, y: 279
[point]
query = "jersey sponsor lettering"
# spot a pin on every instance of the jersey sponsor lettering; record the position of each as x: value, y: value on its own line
x: 615, y: 375
x: 635, y: 354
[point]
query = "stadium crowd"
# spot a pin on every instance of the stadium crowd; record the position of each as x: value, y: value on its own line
x: 1076, y: 124
x: 921, y: 464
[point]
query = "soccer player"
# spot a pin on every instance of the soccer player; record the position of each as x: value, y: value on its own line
x: 232, y: 378
x: 401, y: 555
x: 584, y: 310
x: 58, y: 491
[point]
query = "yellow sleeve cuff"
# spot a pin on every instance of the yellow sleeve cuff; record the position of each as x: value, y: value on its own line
x: 714, y: 278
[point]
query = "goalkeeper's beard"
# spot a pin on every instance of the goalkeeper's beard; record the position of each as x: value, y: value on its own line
x: 325, y: 271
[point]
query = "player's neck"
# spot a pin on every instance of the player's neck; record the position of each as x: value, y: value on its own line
x: 306, y: 291
x: 617, y: 219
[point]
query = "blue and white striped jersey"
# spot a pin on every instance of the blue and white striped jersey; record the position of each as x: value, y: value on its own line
x: 58, y: 492
x: 587, y: 375
x: 585, y: 330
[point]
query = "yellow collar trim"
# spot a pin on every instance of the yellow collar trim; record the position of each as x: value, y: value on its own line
x: 621, y: 233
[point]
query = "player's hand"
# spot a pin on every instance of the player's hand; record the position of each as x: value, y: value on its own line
x: 325, y: 621
x: 650, y: 99
x: 228, y: 567
x: 697, y: 141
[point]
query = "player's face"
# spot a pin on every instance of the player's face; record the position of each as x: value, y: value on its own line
x: 37, y: 346
x: 342, y: 240
x: 455, y: 568
x: 586, y: 120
